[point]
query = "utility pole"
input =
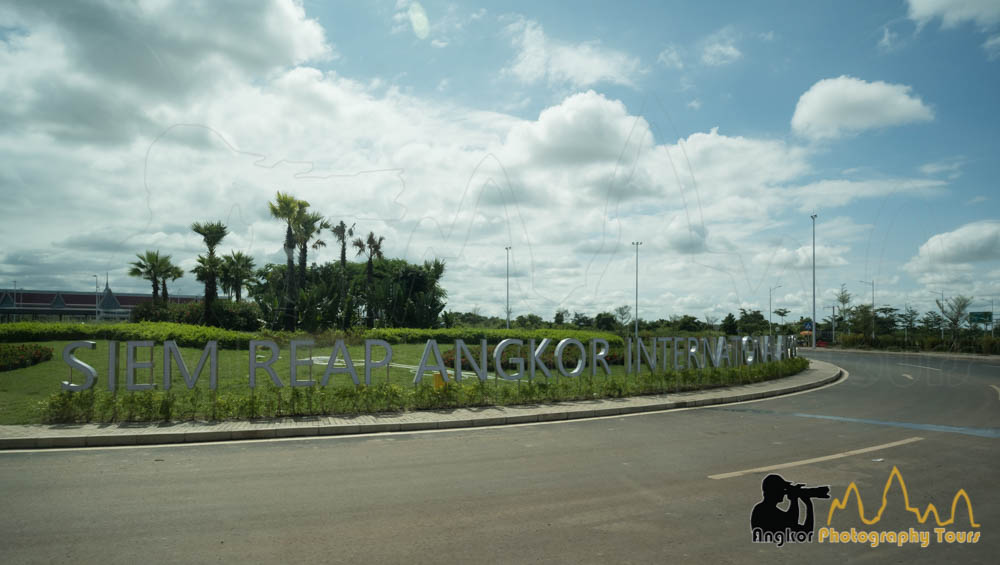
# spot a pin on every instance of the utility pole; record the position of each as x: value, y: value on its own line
x: 508, y: 286
x: 637, y: 244
x: 770, y: 308
x: 814, y: 283
x: 872, y: 282
x: 97, y: 297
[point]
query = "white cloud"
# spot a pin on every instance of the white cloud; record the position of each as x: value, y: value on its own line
x: 834, y: 107
x: 540, y: 57
x: 670, y: 57
x: 957, y: 255
x: 952, y: 166
x: 979, y: 199
x: 766, y: 36
x: 694, y: 104
x: 840, y: 192
x: 418, y: 20
x: 802, y: 257
x: 992, y: 47
x: 889, y: 39
x: 984, y: 13
x: 720, y: 48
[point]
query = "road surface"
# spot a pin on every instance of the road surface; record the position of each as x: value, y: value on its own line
x: 670, y: 487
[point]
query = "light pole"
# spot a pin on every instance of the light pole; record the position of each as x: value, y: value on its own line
x: 637, y: 244
x: 97, y: 298
x: 770, y: 308
x: 508, y: 286
x: 940, y: 306
x: 833, y: 322
x: 872, y: 282
x: 813, y: 332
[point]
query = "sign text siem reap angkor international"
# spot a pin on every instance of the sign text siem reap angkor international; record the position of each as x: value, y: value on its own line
x: 684, y: 353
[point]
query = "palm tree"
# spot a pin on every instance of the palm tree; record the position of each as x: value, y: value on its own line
x: 308, y: 225
x: 148, y: 267
x: 286, y: 207
x: 343, y: 234
x: 237, y: 270
x: 209, y: 267
x: 169, y: 271
x: 371, y: 249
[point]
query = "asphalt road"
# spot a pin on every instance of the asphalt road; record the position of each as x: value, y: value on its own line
x: 634, y: 489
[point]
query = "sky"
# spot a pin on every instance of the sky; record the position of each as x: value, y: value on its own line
x: 710, y: 132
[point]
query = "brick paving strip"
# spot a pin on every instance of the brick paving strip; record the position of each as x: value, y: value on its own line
x: 145, y: 433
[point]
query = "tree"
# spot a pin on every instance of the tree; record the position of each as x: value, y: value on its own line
x: 844, y: 299
x: 782, y: 312
x: 581, y: 320
x: 560, y: 317
x: 956, y: 312
x: 308, y: 226
x: 932, y: 321
x: 729, y: 326
x: 209, y: 267
x: 371, y: 248
x: 606, y: 321
x: 286, y: 207
x: 623, y: 314
x: 711, y: 321
x: 172, y: 272
x: 343, y: 235
x: 148, y: 267
x: 909, y: 317
x: 237, y: 271
x: 752, y: 322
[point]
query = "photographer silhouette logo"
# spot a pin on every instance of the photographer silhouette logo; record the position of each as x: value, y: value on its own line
x: 770, y: 524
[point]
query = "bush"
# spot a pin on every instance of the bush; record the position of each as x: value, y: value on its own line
x: 184, y: 334
x: 238, y: 316
x: 20, y: 356
x: 473, y: 335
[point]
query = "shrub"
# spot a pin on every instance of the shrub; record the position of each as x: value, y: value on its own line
x: 19, y: 356
x: 473, y: 335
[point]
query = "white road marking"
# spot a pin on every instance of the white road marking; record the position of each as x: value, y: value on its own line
x: 816, y: 459
x: 996, y: 388
x: 921, y: 366
x: 908, y: 376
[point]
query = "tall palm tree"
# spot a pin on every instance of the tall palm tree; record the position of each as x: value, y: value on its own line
x: 148, y: 267
x: 343, y: 235
x: 237, y: 269
x: 168, y: 271
x: 371, y: 248
x: 308, y: 226
x: 286, y: 207
x: 209, y: 267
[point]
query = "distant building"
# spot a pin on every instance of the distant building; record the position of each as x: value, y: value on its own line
x: 22, y: 304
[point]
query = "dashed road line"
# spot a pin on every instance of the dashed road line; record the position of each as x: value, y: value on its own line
x: 908, y: 376
x: 815, y: 459
x: 996, y: 388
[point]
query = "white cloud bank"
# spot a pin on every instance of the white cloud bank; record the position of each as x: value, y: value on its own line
x: 835, y: 107
x: 542, y: 58
x: 983, y: 13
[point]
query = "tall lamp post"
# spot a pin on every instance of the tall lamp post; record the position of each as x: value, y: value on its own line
x: 941, y: 292
x: 508, y: 286
x: 637, y: 244
x: 97, y: 297
x: 770, y: 308
x: 813, y: 332
x: 872, y: 282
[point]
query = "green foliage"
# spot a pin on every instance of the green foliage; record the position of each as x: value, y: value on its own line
x: 19, y: 356
x: 185, y: 335
x: 471, y: 336
x: 238, y: 316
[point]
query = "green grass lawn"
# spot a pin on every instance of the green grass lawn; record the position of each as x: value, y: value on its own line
x: 33, y: 394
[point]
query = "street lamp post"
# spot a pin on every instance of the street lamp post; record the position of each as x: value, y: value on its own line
x: 872, y: 282
x: 770, y: 308
x: 508, y: 286
x: 814, y: 283
x: 637, y: 244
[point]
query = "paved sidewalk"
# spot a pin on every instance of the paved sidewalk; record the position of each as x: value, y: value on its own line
x: 93, y: 435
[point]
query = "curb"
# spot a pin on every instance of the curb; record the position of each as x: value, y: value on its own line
x: 932, y: 354
x: 573, y: 412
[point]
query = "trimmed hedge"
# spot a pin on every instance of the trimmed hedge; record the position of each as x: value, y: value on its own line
x: 185, y: 335
x: 472, y: 336
x: 20, y: 356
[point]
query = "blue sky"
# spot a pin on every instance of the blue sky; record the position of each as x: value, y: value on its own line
x: 709, y: 131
